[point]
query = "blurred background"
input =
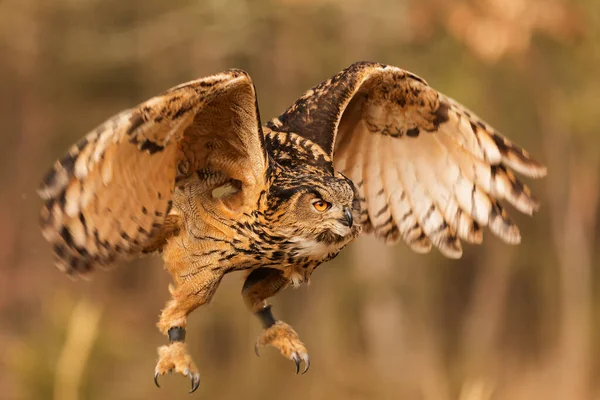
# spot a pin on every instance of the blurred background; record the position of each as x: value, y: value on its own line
x: 380, y: 322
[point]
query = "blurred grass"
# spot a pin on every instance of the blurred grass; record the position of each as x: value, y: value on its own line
x: 380, y: 323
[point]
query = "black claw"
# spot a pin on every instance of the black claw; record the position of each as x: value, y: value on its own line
x: 256, y: 350
x: 297, y: 361
x: 306, y: 365
x: 156, y: 375
x: 195, y: 383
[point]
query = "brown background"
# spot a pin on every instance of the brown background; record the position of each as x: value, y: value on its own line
x: 380, y: 323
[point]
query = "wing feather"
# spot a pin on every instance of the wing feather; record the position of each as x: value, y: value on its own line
x: 425, y: 166
x: 108, y: 198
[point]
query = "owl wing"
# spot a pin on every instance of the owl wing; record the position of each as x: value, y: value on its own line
x: 427, y: 170
x: 110, y: 195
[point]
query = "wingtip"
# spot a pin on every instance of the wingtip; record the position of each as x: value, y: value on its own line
x: 516, y: 240
x: 535, y: 205
x: 541, y: 171
x: 453, y: 254
x: 531, y: 168
x: 511, y: 236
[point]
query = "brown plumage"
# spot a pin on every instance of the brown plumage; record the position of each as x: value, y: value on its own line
x: 193, y: 175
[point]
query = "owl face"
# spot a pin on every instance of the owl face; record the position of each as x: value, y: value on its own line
x: 315, y: 208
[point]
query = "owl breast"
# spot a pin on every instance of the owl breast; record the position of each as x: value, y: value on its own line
x: 315, y: 249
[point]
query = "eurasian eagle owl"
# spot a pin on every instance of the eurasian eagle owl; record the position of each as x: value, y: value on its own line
x: 193, y: 175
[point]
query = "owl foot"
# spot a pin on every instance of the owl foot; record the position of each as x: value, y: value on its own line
x: 281, y: 336
x: 174, y: 356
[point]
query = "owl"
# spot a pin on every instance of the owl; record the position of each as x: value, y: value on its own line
x: 192, y: 175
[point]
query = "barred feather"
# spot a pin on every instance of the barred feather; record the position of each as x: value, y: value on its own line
x: 108, y: 198
x: 429, y: 170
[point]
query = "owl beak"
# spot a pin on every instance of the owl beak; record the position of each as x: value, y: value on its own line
x: 347, y: 220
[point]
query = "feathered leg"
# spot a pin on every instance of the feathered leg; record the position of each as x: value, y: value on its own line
x: 190, y: 292
x: 261, y: 284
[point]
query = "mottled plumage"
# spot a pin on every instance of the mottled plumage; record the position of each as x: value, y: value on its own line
x: 193, y: 175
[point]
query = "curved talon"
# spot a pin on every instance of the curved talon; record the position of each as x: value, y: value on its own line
x: 306, y: 359
x: 256, y: 349
x: 195, y: 382
x: 297, y: 361
x: 174, y: 358
x: 281, y: 336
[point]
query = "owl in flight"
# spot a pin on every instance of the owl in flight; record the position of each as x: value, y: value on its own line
x: 193, y: 175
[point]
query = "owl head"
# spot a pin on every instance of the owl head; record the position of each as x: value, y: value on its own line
x: 315, y: 208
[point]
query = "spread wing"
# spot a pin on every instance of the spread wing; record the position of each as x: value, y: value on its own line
x: 428, y: 170
x: 110, y: 195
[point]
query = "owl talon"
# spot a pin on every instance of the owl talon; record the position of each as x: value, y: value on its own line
x: 195, y: 378
x: 281, y: 336
x: 174, y: 357
x: 297, y: 361
x: 306, y: 359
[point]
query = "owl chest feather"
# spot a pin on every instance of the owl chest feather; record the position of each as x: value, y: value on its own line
x: 244, y: 245
x: 215, y: 238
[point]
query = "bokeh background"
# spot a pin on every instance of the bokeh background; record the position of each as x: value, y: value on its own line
x: 380, y: 322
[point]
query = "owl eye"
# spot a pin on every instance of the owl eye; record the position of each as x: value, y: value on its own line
x: 321, y: 205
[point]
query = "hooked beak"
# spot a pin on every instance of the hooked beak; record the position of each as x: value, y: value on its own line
x: 347, y: 220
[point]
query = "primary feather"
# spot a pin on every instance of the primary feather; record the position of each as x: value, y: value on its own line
x: 427, y: 169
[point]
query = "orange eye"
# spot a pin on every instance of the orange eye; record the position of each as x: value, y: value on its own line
x: 321, y: 205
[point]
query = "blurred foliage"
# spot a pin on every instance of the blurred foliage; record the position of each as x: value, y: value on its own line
x: 380, y: 322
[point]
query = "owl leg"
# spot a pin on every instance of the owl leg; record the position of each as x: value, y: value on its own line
x: 261, y: 284
x: 186, y: 296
